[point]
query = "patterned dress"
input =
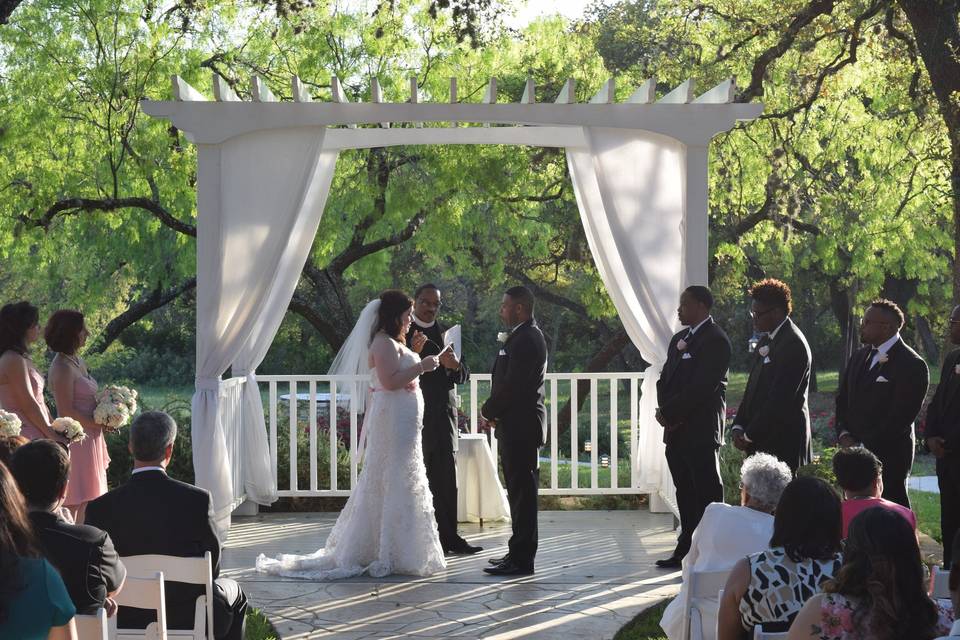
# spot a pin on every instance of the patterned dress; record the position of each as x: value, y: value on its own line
x: 836, y: 615
x: 779, y: 586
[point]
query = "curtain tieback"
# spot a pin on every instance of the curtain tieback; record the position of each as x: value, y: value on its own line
x: 208, y: 384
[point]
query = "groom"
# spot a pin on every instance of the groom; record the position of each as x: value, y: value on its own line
x: 516, y: 409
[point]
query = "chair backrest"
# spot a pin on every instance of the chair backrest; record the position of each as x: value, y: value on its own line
x: 92, y: 627
x: 702, y: 585
x: 177, y: 569
x: 144, y: 593
x: 939, y: 583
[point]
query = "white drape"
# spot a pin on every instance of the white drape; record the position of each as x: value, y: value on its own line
x: 630, y: 190
x: 256, y: 224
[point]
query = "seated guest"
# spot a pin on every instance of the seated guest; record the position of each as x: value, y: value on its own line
x: 155, y: 514
x: 9, y: 444
x: 727, y: 533
x: 954, y: 586
x: 770, y: 587
x: 34, y: 604
x: 860, y: 475
x: 879, y: 593
x: 84, y: 555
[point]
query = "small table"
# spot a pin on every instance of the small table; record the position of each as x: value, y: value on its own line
x: 479, y: 493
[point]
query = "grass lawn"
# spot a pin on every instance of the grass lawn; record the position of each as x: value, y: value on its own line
x: 645, y: 626
x: 927, y: 508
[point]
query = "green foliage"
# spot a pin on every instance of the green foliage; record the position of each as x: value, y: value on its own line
x: 927, y: 507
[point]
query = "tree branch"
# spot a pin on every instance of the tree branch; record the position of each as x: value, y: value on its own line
x: 75, y: 206
x: 135, y: 312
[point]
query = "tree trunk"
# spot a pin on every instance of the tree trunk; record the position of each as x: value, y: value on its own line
x: 927, y: 340
x: 937, y: 33
x: 598, y: 362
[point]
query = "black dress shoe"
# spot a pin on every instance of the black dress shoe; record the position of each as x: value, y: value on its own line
x: 508, y: 568
x: 463, y: 549
x: 500, y: 560
x: 673, y: 562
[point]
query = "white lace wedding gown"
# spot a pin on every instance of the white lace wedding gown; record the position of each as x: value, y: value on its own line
x: 387, y: 526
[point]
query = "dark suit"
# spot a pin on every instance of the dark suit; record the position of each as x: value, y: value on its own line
x: 880, y: 414
x: 691, y: 394
x: 943, y: 420
x: 84, y: 556
x: 155, y: 514
x: 440, y: 433
x: 516, y: 403
x: 774, y: 413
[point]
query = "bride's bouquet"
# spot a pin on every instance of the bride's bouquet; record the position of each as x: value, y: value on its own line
x: 115, y: 406
x: 9, y: 424
x: 69, y: 429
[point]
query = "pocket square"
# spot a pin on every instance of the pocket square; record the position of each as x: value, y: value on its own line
x: 882, y: 379
x: 766, y: 360
x: 502, y: 353
x: 686, y: 356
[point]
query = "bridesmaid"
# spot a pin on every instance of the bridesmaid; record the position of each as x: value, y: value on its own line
x: 73, y: 391
x: 21, y: 385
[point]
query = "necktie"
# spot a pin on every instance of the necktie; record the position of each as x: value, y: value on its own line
x: 870, y: 356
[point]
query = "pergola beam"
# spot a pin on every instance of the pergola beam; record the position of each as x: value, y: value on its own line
x: 677, y: 114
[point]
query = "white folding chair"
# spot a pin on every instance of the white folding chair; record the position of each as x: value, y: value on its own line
x: 92, y: 627
x: 188, y: 570
x: 760, y: 634
x: 939, y: 583
x: 703, y: 590
x: 142, y: 593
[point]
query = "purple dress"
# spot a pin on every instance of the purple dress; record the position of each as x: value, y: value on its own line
x: 27, y: 429
x: 88, y: 459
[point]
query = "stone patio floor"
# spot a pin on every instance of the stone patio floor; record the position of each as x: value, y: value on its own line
x: 594, y: 573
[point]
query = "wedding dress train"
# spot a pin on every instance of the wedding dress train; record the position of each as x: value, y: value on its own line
x: 387, y: 526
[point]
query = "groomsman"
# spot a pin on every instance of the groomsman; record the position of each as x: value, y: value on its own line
x: 440, y: 429
x: 773, y: 416
x: 881, y: 392
x: 691, y: 394
x: 943, y: 440
x: 516, y: 408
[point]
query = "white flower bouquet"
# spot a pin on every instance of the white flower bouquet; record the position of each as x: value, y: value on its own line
x: 69, y: 429
x: 115, y: 406
x: 9, y: 424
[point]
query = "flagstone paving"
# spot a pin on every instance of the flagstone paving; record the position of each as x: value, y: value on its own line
x: 594, y: 573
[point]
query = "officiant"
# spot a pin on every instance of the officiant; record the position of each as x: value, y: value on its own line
x: 440, y: 430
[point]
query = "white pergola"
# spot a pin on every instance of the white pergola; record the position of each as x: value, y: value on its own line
x: 639, y: 170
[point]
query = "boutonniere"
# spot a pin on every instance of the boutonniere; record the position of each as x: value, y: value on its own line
x: 956, y: 369
x: 882, y: 358
x: 764, y: 351
x: 502, y: 336
x: 682, y: 345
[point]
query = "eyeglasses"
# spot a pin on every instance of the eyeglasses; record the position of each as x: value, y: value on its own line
x: 760, y: 314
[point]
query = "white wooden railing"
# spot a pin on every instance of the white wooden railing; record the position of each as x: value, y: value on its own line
x: 612, y: 399
x: 231, y: 412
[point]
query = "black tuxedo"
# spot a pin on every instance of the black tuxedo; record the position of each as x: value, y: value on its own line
x: 880, y: 414
x: 155, y: 514
x: 516, y: 403
x: 84, y: 556
x: 774, y: 413
x: 440, y: 433
x: 691, y: 394
x: 943, y: 420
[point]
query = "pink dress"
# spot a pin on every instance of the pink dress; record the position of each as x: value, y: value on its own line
x: 7, y: 402
x: 88, y: 459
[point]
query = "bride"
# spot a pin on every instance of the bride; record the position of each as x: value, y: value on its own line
x: 387, y: 526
